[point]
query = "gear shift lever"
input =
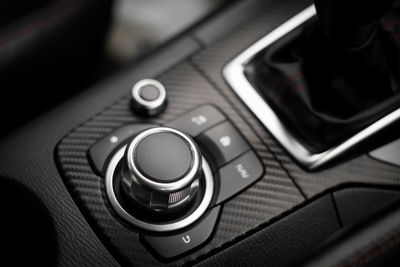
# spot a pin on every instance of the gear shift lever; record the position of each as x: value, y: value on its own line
x: 350, y: 22
x: 336, y: 75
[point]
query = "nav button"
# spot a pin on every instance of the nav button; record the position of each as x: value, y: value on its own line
x: 239, y: 174
x: 171, y: 246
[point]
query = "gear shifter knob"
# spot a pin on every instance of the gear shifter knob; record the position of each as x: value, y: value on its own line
x: 351, y: 22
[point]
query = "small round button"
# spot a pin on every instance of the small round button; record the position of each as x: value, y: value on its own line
x: 149, y: 97
x: 149, y: 92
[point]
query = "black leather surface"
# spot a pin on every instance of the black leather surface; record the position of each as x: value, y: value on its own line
x: 284, y: 241
x: 355, y: 205
x: 27, y: 157
x: 44, y: 51
x: 49, y: 33
x: 25, y: 226
x: 375, y: 243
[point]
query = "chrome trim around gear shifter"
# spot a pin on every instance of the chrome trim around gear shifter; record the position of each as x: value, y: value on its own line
x: 233, y: 72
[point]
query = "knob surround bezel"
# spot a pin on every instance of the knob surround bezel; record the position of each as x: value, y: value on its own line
x: 158, y: 227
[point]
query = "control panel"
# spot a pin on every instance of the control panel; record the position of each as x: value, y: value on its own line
x: 179, y: 170
x: 170, y: 181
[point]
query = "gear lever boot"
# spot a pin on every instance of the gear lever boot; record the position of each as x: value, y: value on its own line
x: 336, y: 75
x: 350, y: 23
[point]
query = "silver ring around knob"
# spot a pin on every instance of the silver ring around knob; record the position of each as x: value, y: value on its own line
x: 158, y: 227
x: 138, y: 177
x: 149, y: 107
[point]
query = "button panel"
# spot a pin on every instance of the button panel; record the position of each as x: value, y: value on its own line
x: 198, y: 120
x: 100, y: 152
x: 174, y: 245
x: 235, y: 164
x: 224, y: 142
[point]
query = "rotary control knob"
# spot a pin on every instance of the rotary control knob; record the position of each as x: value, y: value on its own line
x: 161, y: 171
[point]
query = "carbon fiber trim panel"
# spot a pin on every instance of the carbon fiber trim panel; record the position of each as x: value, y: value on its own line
x: 274, y: 194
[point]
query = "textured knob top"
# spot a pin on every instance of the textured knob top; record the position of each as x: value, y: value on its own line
x: 163, y: 157
x: 162, y: 169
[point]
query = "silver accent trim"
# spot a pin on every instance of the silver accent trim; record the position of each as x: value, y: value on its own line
x: 153, y: 106
x: 200, y: 210
x: 234, y: 75
x: 189, y: 196
x: 180, y: 184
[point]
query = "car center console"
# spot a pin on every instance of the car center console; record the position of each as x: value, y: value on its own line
x: 170, y: 163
